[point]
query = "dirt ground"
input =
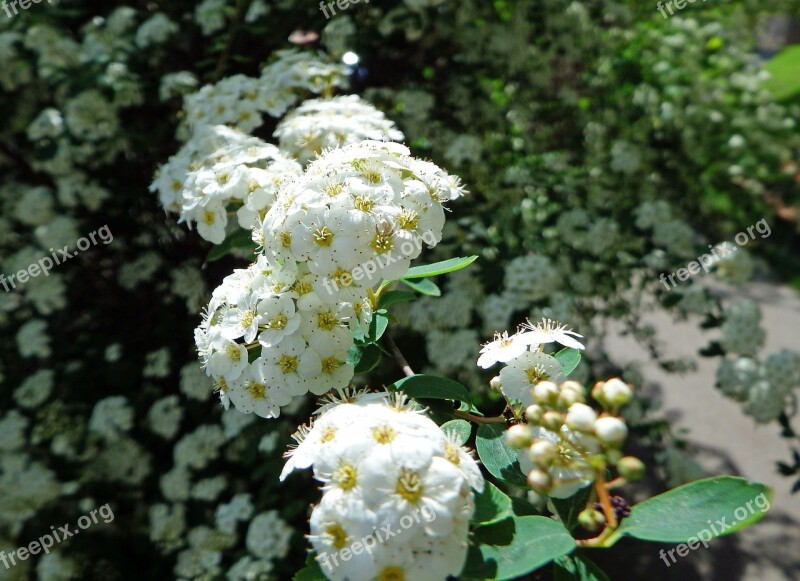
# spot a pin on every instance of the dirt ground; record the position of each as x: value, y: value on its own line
x: 725, y: 441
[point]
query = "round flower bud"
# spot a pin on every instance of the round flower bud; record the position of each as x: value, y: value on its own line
x: 591, y: 519
x: 581, y: 417
x: 613, y: 456
x: 568, y: 397
x: 572, y: 385
x: 610, y: 430
x: 542, y: 453
x: 539, y: 481
x: 616, y: 392
x: 553, y: 421
x: 495, y: 383
x: 545, y: 392
x: 518, y: 436
x: 598, y: 394
x: 534, y: 414
x: 631, y: 468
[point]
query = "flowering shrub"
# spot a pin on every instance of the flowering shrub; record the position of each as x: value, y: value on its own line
x: 580, y: 196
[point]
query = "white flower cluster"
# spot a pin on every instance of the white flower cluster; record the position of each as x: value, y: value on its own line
x: 387, y: 467
x: 219, y: 168
x: 369, y: 206
x: 321, y: 124
x: 279, y: 329
x: 302, y: 341
x: 240, y: 100
x: 564, y: 433
x: 526, y: 364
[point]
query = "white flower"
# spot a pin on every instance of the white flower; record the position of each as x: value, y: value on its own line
x: 503, y: 349
x: 525, y: 372
x: 549, y: 331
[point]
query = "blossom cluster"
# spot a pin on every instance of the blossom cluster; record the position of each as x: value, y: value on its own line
x: 560, y: 445
x: 356, y: 204
x: 276, y: 330
x: 240, y: 100
x: 321, y: 124
x: 382, y: 462
x: 526, y: 364
x: 219, y: 168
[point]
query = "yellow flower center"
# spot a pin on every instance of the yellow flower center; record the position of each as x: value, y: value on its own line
x: 383, y: 434
x: 234, y: 353
x: 392, y: 574
x: 330, y: 364
x: 323, y: 236
x: 257, y: 390
x: 451, y: 453
x: 409, y: 485
x: 382, y: 243
x: 328, y: 435
x: 345, y: 477
x: 288, y: 363
x: 536, y: 375
x: 337, y: 535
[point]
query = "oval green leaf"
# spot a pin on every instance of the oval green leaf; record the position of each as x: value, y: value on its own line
x: 458, y: 430
x: 432, y: 387
x: 728, y: 502
x: 443, y: 267
x: 491, y: 505
x: 499, y: 458
x: 516, y: 546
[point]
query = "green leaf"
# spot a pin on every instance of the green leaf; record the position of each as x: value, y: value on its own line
x: 568, y: 509
x: 460, y: 430
x: 491, y: 505
x: 395, y: 296
x: 784, y: 81
x: 311, y: 572
x: 377, y: 327
x: 577, y: 568
x: 438, y: 268
x: 499, y: 458
x: 683, y: 513
x: 240, y: 239
x: 432, y: 387
x: 424, y: 287
x: 364, y: 358
x: 569, y: 359
x: 516, y: 546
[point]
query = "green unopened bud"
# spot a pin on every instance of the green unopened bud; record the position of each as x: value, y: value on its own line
x: 581, y: 417
x: 553, y: 421
x: 518, y: 436
x: 613, y: 455
x: 591, y: 519
x: 539, y: 481
x: 616, y: 392
x: 574, y: 386
x: 542, y: 453
x: 534, y: 414
x: 545, y: 393
x: 568, y: 398
x: 598, y: 394
x: 631, y: 468
x: 611, y: 430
